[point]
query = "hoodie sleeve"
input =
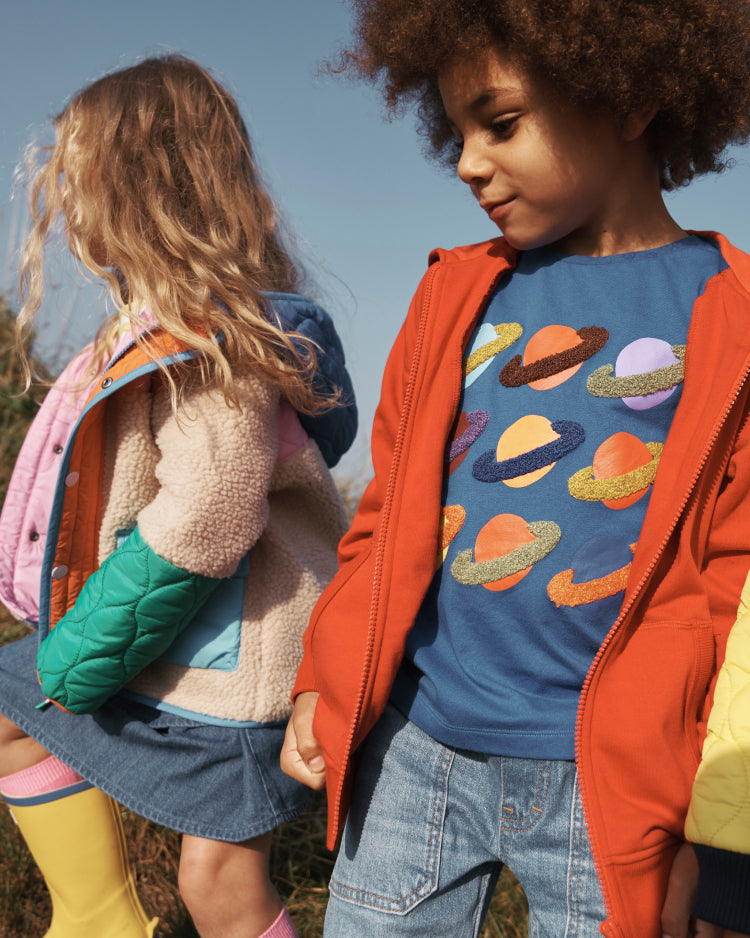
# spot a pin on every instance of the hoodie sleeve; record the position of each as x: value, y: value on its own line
x: 333, y: 430
x: 718, y: 822
x: 355, y: 546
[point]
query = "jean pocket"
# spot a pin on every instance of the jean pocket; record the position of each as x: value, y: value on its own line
x: 390, y: 853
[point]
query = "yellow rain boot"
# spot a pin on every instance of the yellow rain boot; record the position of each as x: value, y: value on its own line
x: 78, y: 843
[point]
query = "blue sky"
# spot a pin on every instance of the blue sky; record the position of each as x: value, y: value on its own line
x: 365, y: 205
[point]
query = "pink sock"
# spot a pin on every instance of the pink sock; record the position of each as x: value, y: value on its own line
x: 48, y: 776
x: 281, y: 928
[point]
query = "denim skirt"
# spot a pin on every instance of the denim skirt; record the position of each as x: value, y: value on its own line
x: 219, y: 782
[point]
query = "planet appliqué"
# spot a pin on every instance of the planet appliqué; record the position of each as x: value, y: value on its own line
x: 469, y: 427
x: 552, y: 355
x: 622, y: 471
x: 645, y: 374
x: 528, y: 450
x: 600, y: 570
x: 506, y: 549
x: 488, y: 342
x: 452, y: 518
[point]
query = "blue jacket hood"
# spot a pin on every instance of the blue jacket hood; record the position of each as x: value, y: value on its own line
x: 333, y: 430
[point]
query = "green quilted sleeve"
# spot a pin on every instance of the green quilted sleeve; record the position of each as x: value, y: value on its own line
x: 127, y: 614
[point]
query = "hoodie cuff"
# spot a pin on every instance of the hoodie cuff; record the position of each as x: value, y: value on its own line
x: 723, y: 896
x: 305, y: 680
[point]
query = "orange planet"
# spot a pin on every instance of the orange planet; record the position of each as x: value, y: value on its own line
x: 623, y: 470
x: 527, y: 450
x: 506, y: 549
x: 451, y: 519
x: 552, y: 355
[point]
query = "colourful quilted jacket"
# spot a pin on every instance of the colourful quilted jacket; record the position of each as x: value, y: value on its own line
x: 183, y: 551
x: 647, y: 698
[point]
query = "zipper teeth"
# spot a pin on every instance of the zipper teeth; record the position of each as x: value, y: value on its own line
x: 387, y: 504
x: 626, y: 609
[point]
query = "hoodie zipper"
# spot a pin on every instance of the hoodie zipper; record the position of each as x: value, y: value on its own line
x: 384, y: 524
x: 603, y: 649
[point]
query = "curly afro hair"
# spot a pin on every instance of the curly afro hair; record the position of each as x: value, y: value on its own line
x: 691, y: 58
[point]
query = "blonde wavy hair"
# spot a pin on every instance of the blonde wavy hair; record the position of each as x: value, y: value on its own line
x: 153, y: 176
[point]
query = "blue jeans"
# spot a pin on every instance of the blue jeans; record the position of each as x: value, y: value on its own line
x: 431, y: 828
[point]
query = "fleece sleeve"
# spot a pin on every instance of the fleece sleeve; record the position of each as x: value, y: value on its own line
x: 214, y: 473
x: 718, y: 822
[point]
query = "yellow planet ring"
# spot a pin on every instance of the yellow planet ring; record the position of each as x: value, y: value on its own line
x: 469, y: 573
x: 582, y: 486
x: 507, y: 333
x: 600, y: 384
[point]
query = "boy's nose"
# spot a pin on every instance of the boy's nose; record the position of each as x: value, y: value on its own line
x: 473, y: 166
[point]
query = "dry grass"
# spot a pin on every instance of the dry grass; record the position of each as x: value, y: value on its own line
x: 16, y: 410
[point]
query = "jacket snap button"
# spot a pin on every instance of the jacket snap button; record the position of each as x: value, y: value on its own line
x: 34, y: 536
x: 57, y: 449
x: 71, y: 479
x: 106, y: 383
x: 59, y: 572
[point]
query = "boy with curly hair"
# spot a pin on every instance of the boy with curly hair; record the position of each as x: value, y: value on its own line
x: 534, y: 631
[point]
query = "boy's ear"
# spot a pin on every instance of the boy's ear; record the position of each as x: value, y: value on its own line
x: 637, y: 121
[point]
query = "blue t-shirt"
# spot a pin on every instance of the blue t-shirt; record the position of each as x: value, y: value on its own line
x: 571, y: 381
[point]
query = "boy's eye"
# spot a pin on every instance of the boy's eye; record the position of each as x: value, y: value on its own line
x: 503, y: 128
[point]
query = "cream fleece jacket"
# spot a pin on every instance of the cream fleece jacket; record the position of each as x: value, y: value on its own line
x: 205, y: 487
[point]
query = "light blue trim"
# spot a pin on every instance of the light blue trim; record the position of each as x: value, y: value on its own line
x: 49, y: 796
x: 194, y: 715
x: 212, y: 639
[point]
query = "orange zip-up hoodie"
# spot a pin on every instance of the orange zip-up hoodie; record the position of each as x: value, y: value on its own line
x: 647, y: 697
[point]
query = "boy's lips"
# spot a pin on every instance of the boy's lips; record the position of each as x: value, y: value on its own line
x: 497, y: 210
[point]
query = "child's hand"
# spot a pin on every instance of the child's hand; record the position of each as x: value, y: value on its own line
x: 675, y: 917
x: 301, y: 756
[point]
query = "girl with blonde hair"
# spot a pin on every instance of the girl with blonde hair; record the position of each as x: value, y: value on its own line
x: 172, y: 518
